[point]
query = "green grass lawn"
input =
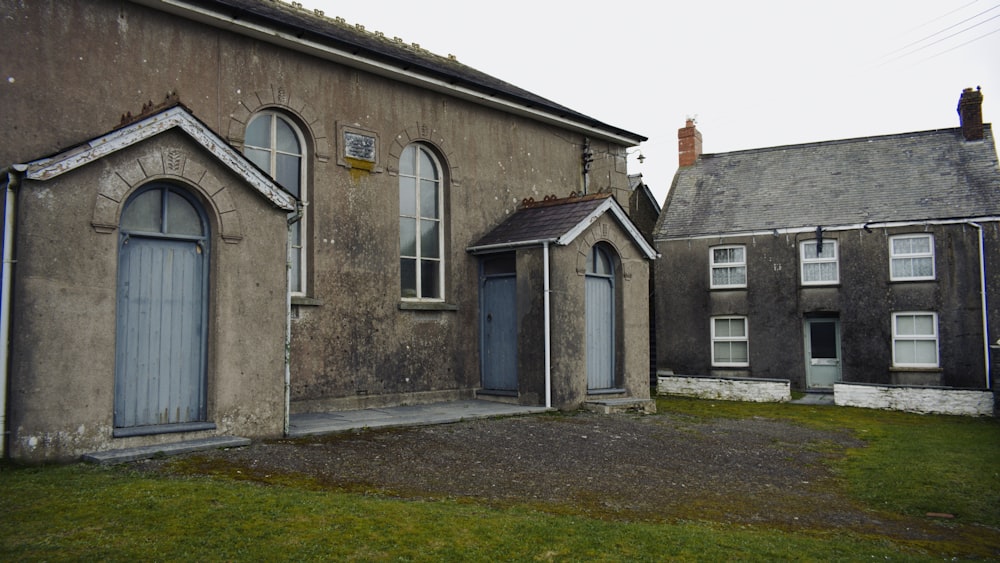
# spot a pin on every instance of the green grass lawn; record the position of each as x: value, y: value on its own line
x: 910, y: 465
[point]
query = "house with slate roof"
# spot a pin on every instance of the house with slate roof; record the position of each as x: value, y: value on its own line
x: 873, y: 260
x: 219, y: 213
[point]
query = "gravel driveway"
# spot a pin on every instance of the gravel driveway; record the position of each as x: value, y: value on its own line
x: 661, y: 468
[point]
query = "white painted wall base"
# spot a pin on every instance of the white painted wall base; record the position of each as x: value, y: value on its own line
x: 725, y: 388
x: 924, y: 400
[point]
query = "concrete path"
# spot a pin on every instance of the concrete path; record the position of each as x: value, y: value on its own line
x: 145, y: 452
x: 815, y: 398
x: 309, y: 424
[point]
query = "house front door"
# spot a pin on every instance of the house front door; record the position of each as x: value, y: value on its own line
x: 162, y: 299
x: 822, y: 351
x: 498, y: 318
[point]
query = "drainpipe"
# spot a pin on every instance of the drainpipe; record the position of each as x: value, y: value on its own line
x: 548, y: 328
x: 13, y: 179
x: 292, y: 219
x: 982, y: 295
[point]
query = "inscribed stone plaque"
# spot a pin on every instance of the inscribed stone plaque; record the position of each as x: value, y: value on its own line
x: 361, y: 147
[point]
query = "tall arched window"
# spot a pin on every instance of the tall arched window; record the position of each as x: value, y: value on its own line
x: 276, y: 145
x: 421, y: 225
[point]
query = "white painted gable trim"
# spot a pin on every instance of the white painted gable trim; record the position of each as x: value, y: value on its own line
x: 175, y: 117
x: 611, y: 205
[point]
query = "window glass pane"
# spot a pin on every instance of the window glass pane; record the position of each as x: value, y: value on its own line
x: 407, y: 237
x: 143, y: 212
x: 738, y: 352
x: 925, y: 352
x: 819, y: 272
x: 289, y: 172
x: 259, y: 157
x: 923, y: 325
x: 429, y: 279
x: 427, y: 168
x: 182, y: 217
x: 923, y: 267
x: 428, y: 199
x: 295, y: 234
x: 408, y: 277
x: 498, y: 265
x: 904, y: 325
x: 603, y: 264
x: 259, y: 132
x: 285, y: 137
x: 720, y: 352
x: 407, y: 197
x: 809, y: 250
x: 727, y: 256
x: 429, y: 240
x: 295, y: 265
x: 407, y: 160
x: 823, y: 339
x: 729, y: 276
x: 598, y: 263
x: 737, y: 328
x: 721, y: 328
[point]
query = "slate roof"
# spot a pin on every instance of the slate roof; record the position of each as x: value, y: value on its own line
x: 556, y: 221
x: 308, y: 26
x: 926, y: 175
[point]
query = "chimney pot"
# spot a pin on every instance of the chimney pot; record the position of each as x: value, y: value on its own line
x: 688, y: 144
x: 970, y: 114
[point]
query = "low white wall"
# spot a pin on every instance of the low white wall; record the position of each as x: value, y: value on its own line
x: 724, y: 388
x: 925, y: 400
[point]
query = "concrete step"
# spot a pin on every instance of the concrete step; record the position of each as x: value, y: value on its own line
x: 621, y: 405
x: 125, y: 455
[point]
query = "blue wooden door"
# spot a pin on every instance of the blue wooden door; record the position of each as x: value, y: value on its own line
x: 499, y: 325
x: 600, y: 313
x: 161, y: 317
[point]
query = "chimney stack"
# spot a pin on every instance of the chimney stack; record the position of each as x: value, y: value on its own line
x: 688, y: 144
x: 970, y: 113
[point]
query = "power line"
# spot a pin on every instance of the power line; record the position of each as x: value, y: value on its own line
x: 922, y: 47
x: 997, y: 30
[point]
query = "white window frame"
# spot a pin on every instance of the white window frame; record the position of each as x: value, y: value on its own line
x: 806, y: 262
x: 717, y: 266
x: 717, y: 339
x: 894, y: 257
x: 419, y: 179
x: 299, y: 243
x: 899, y: 338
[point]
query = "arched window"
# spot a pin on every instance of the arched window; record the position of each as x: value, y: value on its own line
x: 421, y: 225
x: 276, y: 145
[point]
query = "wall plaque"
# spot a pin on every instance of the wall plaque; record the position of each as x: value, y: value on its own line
x: 361, y: 147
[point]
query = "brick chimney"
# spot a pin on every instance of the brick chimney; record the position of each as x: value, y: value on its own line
x: 970, y: 113
x: 688, y: 144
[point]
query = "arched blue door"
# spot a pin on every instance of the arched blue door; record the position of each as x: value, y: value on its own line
x: 161, y: 316
x: 600, y: 282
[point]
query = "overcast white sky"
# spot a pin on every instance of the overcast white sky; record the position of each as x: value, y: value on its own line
x: 753, y: 73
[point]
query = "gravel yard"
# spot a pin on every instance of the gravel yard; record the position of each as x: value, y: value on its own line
x: 656, y: 468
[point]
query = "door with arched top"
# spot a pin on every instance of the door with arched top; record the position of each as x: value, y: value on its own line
x: 600, y: 303
x: 162, y: 311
